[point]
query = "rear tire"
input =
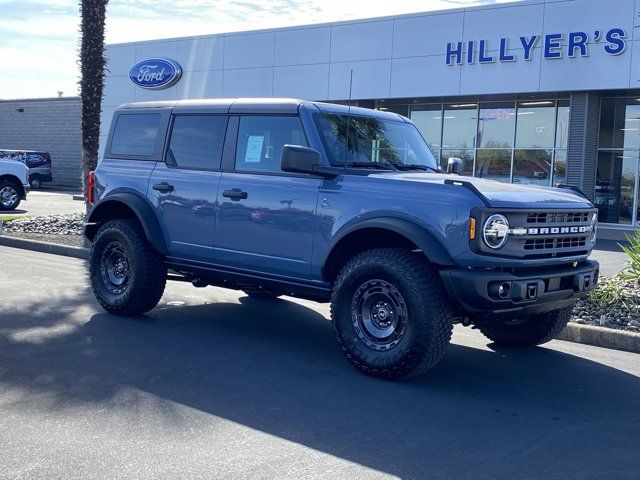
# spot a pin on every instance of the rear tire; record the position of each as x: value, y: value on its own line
x: 528, y: 332
x: 9, y: 195
x: 35, y: 183
x: 391, y: 314
x: 261, y: 294
x: 128, y: 276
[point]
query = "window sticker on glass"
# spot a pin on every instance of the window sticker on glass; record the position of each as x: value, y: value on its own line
x: 254, y: 149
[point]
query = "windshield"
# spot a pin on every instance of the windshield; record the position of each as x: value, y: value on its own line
x: 374, y: 142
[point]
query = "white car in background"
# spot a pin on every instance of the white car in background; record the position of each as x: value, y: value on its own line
x: 14, y: 183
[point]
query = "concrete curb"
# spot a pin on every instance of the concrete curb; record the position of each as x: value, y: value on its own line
x: 68, y: 251
x: 601, y: 337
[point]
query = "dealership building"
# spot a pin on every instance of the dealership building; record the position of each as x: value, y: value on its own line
x: 531, y: 92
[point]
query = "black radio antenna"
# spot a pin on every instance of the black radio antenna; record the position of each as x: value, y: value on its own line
x: 346, y: 160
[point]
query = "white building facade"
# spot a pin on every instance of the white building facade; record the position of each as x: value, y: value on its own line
x: 538, y: 91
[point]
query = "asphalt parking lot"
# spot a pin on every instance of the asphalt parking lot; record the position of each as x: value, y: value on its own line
x: 49, y: 202
x: 222, y: 386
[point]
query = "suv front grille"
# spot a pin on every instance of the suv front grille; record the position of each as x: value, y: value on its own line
x: 558, y: 217
x: 549, y: 243
x: 545, y: 233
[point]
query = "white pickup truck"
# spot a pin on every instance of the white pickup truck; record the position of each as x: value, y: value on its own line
x: 14, y: 183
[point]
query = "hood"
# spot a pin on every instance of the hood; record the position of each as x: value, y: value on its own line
x: 499, y: 194
x: 14, y: 167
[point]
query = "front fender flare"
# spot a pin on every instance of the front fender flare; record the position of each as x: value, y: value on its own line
x: 430, y: 246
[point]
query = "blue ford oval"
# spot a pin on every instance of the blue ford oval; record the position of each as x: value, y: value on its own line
x: 155, y: 73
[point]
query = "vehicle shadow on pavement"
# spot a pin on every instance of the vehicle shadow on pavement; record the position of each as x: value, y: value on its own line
x: 276, y: 367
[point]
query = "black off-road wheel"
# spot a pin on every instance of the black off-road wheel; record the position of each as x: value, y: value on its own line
x: 128, y: 276
x: 527, y: 332
x: 391, y: 314
x: 9, y: 195
x: 261, y: 294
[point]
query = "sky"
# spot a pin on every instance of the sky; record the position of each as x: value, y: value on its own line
x: 39, y: 38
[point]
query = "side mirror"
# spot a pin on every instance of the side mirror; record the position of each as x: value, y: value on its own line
x: 455, y: 166
x: 298, y: 159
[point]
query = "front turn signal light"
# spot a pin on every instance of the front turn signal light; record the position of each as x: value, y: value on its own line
x: 472, y: 228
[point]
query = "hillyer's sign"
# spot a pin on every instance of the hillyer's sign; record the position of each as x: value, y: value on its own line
x: 553, y: 45
x: 155, y: 73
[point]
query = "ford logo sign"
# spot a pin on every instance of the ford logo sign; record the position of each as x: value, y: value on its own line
x: 155, y: 73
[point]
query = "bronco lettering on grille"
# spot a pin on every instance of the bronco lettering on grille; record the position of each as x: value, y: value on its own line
x: 550, y: 230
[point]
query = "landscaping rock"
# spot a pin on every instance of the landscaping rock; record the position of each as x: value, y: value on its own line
x: 70, y: 224
x: 620, y: 314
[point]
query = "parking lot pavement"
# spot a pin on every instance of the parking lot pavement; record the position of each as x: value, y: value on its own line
x: 611, y: 257
x: 228, y: 387
x: 49, y: 202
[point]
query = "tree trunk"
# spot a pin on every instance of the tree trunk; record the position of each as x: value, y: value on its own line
x: 92, y: 63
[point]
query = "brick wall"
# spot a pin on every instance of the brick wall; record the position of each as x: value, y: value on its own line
x: 52, y: 125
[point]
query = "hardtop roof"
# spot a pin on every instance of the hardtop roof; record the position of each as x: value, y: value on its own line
x: 255, y: 106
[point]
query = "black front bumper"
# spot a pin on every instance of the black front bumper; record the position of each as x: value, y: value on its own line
x: 525, y: 291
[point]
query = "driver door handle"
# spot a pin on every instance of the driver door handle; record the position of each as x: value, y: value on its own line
x: 235, y: 194
x: 163, y: 187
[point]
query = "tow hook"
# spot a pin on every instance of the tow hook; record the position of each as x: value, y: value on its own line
x: 583, y: 282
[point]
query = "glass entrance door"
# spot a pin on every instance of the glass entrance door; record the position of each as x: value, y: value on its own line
x: 617, y: 174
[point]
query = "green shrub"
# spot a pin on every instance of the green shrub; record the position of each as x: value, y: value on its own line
x: 632, y: 271
x: 609, y: 292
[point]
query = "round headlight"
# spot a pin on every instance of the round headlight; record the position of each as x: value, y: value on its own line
x: 495, y: 231
x: 594, y: 227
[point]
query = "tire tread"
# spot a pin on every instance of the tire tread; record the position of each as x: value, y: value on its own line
x: 546, y: 327
x: 152, y: 270
x: 435, y: 325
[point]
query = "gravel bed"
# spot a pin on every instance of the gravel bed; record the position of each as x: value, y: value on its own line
x: 624, y: 315
x: 70, y: 224
x: 58, y: 229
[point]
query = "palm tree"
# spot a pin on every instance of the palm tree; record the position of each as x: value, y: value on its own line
x: 92, y: 63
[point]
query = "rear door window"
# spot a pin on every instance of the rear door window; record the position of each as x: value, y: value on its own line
x: 197, y: 141
x: 135, y: 134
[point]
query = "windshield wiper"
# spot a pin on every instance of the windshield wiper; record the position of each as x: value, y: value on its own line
x: 416, y: 166
x: 376, y: 165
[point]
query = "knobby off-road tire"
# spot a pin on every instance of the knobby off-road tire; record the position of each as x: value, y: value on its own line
x: 528, y: 332
x: 261, y: 294
x: 128, y: 276
x: 395, y: 287
x: 9, y: 195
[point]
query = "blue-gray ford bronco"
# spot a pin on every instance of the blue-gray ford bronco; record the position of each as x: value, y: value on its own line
x: 335, y: 204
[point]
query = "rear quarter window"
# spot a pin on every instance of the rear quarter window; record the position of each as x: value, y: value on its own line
x: 135, y: 134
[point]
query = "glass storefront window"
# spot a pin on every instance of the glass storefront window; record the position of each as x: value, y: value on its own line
x: 496, y: 125
x: 536, y: 124
x: 489, y: 136
x: 494, y: 164
x: 560, y: 167
x: 465, y: 155
x: 428, y: 119
x: 532, y: 167
x: 615, y: 184
x: 460, y: 123
x: 562, y: 124
x: 620, y: 123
